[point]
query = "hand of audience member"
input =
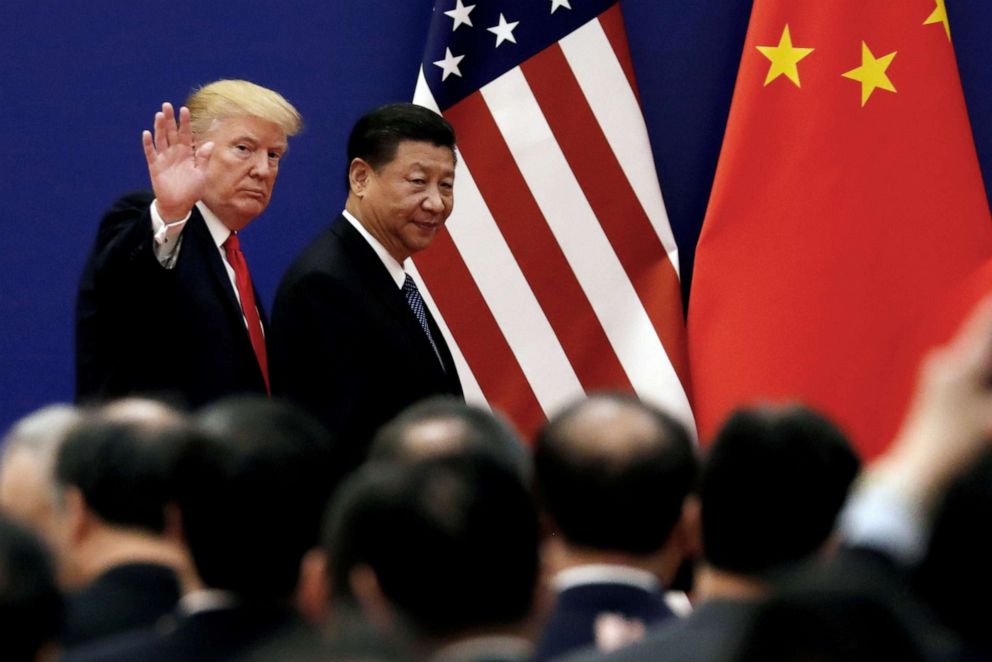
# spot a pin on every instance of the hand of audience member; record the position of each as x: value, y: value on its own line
x: 950, y: 418
x: 176, y: 168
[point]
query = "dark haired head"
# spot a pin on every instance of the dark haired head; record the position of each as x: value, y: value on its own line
x: 452, y: 541
x: 613, y: 473
x: 957, y: 561
x: 123, y: 465
x: 444, y: 425
x: 252, y: 487
x: 837, y: 613
x: 30, y: 603
x: 771, y: 487
x: 377, y: 134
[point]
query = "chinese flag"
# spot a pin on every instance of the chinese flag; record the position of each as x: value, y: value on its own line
x: 847, y: 202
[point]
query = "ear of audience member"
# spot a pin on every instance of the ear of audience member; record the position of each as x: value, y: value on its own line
x: 27, y: 473
x: 251, y: 493
x: 441, y: 550
x: 115, y: 479
x: 30, y: 604
x: 443, y: 425
x: 772, y: 484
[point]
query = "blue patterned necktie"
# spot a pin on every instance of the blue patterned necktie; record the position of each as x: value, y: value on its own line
x: 416, y: 303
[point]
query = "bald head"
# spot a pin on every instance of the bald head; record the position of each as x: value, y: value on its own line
x: 443, y: 426
x: 27, y: 478
x: 612, y: 473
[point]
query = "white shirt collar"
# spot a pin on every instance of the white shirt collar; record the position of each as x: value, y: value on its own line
x: 481, y: 647
x: 604, y: 573
x: 218, y: 230
x: 206, y: 600
x: 396, y: 270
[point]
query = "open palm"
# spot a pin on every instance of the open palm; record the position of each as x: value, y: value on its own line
x: 176, y: 168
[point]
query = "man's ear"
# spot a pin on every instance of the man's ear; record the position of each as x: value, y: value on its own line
x: 79, y: 519
x: 359, y: 173
x: 313, y: 592
x: 374, y: 604
x: 692, y: 527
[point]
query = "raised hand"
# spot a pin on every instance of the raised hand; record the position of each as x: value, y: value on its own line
x: 177, y: 170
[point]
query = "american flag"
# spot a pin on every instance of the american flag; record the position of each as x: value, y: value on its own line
x: 558, y: 273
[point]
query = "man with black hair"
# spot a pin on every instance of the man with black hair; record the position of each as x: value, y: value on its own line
x: 251, y: 485
x: 30, y: 604
x: 352, y: 340
x: 440, y: 553
x: 770, y: 490
x: 444, y: 425
x: 114, y: 479
x: 612, y: 476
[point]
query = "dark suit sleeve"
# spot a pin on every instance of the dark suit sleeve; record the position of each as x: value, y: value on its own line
x: 317, y: 353
x: 122, y: 288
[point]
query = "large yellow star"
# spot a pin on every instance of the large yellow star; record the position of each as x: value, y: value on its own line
x: 785, y: 58
x: 939, y: 15
x: 871, y: 73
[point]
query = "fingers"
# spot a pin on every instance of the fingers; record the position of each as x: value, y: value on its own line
x: 972, y: 345
x: 146, y: 143
x: 161, y: 137
x: 185, y: 127
x: 166, y: 131
x: 171, y: 131
x: 202, y: 154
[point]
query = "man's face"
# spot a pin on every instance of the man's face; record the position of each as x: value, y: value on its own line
x: 405, y: 203
x: 243, y: 167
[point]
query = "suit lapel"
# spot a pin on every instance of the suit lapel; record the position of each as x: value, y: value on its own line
x: 377, y: 281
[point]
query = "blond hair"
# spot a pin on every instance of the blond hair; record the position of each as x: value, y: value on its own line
x: 234, y: 98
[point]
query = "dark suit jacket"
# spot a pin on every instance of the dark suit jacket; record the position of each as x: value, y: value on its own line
x: 709, y: 634
x: 345, y: 344
x: 143, y: 329
x: 127, y: 597
x: 573, y: 621
x: 207, y: 636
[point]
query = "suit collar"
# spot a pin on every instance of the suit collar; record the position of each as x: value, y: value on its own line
x: 218, y: 231
x: 603, y: 573
x: 397, y: 271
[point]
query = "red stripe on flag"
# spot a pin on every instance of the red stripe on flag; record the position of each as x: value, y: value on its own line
x: 612, y: 198
x: 478, y: 335
x: 534, y: 246
x: 611, y: 21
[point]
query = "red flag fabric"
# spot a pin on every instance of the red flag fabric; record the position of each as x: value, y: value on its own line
x: 557, y: 273
x: 847, y: 202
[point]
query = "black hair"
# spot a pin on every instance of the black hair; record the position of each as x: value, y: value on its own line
x: 453, y: 541
x: 957, y: 561
x: 606, y: 495
x: 31, y: 607
x: 252, y: 487
x: 771, y: 487
x: 378, y: 133
x: 123, y: 469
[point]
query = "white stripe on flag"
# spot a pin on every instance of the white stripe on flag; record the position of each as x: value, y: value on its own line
x: 510, y: 299
x: 585, y: 245
x: 613, y: 102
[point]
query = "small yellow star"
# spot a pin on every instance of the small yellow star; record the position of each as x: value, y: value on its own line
x: 871, y: 73
x: 939, y: 15
x: 785, y: 58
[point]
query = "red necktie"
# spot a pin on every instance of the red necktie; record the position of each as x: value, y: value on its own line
x: 232, y: 247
